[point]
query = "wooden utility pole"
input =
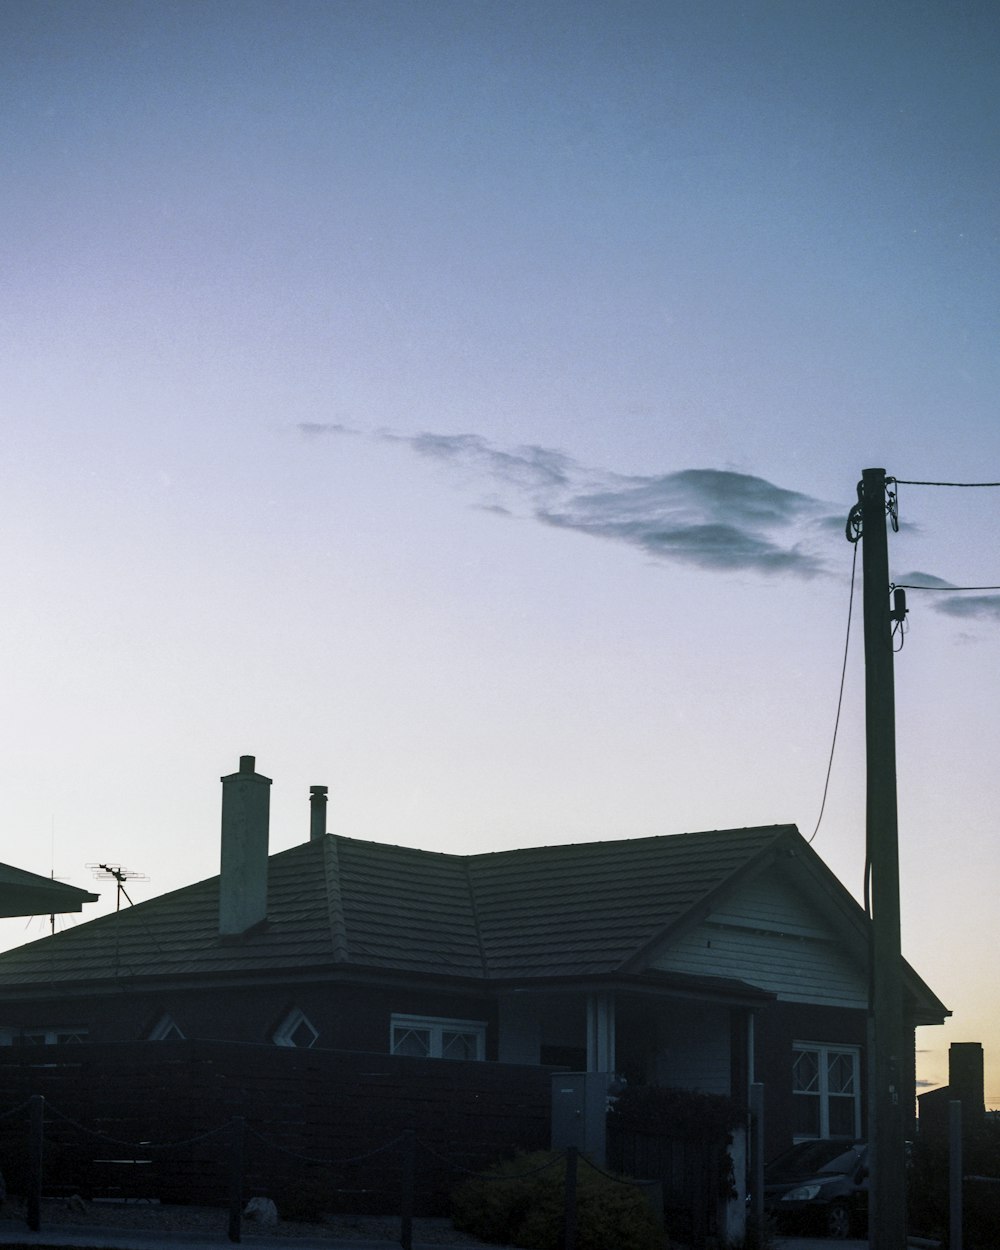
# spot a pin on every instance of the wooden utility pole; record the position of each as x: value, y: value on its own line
x: 887, y: 1220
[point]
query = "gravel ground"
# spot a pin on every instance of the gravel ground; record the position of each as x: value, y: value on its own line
x: 215, y: 1220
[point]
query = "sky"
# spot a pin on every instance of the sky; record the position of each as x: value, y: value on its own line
x: 460, y: 404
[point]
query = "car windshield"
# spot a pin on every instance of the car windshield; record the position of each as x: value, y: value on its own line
x: 843, y: 1163
x: 803, y: 1160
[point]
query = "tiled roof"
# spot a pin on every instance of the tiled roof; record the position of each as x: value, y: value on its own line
x: 584, y: 909
x: 589, y: 907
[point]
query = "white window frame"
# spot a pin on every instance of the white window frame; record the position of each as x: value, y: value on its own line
x: 284, y: 1033
x: 166, y: 1029
x: 436, y: 1027
x: 823, y: 1052
x: 46, y: 1037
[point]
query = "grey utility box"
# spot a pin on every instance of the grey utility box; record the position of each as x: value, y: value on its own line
x: 579, y: 1112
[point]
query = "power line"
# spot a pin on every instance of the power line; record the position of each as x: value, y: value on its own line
x: 949, y: 590
x: 902, y: 481
x: 840, y: 696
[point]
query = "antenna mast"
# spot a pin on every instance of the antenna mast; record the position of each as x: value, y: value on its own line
x: 120, y: 875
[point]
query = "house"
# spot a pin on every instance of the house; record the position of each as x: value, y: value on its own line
x: 705, y: 960
x: 965, y: 1086
x: 24, y: 893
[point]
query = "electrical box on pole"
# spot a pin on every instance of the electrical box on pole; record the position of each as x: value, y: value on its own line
x: 886, y: 1066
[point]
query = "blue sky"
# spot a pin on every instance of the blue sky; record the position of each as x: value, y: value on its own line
x: 458, y: 404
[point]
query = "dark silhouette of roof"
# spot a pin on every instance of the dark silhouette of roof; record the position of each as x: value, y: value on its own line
x: 338, y: 904
x: 24, y: 893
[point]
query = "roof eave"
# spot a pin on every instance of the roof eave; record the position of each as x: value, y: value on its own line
x: 660, y: 985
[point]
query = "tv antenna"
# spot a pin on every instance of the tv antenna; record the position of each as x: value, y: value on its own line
x: 121, y: 875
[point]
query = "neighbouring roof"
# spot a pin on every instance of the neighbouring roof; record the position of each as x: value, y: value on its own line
x: 582, y: 910
x: 25, y: 893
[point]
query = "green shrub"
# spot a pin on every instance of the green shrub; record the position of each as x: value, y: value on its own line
x: 526, y: 1208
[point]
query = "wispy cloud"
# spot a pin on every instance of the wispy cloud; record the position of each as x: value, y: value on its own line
x: 714, y: 518
x: 317, y: 429
x: 710, y: 518
x: 531, y: 469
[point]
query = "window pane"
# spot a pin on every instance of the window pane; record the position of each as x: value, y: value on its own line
x: 842, y: 1117
x: 303, y: 1034
x: 416, y: 1042
x: 295, y: 1030
x: 806, y: 1115
x: 825, y: 1084
x: 805, y: 1072
x: 840, y: 1073
x: 458, y: 1045
x: 436, y: 1037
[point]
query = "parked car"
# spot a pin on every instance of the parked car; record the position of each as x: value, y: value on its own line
x: 819, y: 1186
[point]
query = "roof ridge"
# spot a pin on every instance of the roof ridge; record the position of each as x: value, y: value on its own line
x: 775, y: 829
x: 334, y: 898
x: 390, y: 846
x: 474, y: 908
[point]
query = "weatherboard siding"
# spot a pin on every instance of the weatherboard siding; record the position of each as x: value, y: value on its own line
x: 768, y: 937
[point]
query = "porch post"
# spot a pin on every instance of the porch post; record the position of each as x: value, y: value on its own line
x: 601, y: 1031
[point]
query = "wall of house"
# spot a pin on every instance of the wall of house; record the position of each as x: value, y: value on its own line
x: 349, y: 1017
x: 682, y: 1043
x: 777, y: 1027
x: 693, y: 1048
x: 520, y: 1029
x: 659, y: 1041
x: 532, y: 1026
x: 767, y: 935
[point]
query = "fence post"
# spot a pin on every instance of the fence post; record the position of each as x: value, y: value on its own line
x: 569, y: 1206
x: 406, y: 1192
x: 36, y: 1128
x: 236, y: 1146
x: 955, y: 1174
x: 757, y: 1160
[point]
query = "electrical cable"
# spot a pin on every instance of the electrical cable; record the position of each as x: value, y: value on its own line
x: 902, y: 481
x: 941, y: 589
x: 840, y: 696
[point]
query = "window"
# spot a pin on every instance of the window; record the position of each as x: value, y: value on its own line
x: 827, y: 1091
x: 50, y: 1037
x: 165, y: 1029
x: 296, y: 1030
x: 428, y: 1037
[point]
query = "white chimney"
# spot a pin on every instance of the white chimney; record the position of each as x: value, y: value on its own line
x: 246, y: 800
